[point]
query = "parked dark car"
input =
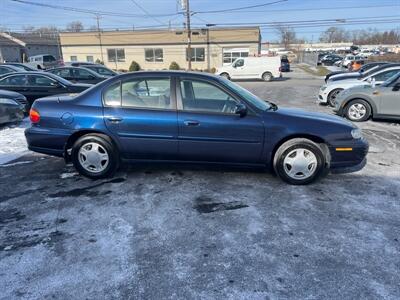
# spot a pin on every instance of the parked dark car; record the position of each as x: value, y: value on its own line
x: 330, y: 59
x: 320, y: 56
x: 34, y: 85
x: 285, y: 64
x: 363, y: 69
x: 190, y: 117
x: 12, y: 107
x: 6, y: 69
x: 22, y: 66
x: 359, y: 75
x: 78, y: 75
x: 98, y: 68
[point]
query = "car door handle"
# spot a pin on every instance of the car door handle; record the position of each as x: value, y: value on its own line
x: 191, y: 123
x: 114, y: 119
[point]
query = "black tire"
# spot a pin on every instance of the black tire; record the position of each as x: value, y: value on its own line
x: 349, y: 115
x: 106, y: 144
x: 225, y: 75
x: 320, y: 168
x: 332, y: 97
x: 267, y: 76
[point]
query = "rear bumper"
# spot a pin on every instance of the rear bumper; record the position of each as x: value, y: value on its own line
x: 47, y: 141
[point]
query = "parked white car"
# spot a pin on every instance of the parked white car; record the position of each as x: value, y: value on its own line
x: 349, y: 58
x: 328, y: 92
x: 266, y: 68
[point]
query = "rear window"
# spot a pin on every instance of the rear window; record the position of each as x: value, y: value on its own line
x: 48, y: 58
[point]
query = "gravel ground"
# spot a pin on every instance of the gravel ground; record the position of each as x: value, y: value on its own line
x: 184, y: 232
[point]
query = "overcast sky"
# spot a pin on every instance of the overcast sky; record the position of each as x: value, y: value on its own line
x: 15, y: 15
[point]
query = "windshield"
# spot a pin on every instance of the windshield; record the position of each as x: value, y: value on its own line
x: 253, y: 99
x: 392, y: 79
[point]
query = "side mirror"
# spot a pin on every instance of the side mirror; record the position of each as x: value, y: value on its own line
x: 241, y: 110
x: 396, y: 87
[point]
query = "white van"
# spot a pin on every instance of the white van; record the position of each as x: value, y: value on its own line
x: 43, y: 61
x: 264, y: 67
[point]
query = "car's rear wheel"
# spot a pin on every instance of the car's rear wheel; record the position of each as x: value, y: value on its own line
x: 332, y: 97
x: 225, y: 75
x: 94, y: 156
x: 267, y: 76
x: 358, y: 110
x: 299, y: 161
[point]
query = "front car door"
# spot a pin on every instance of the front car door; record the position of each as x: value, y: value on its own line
x: 238, y: 69
x: 209, y: 129
x: 141, y: 113
x: 389, y: 99
x: 84, y: 76
x: 39, y: 86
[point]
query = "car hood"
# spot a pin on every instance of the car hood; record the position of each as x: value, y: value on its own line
x: 10, y: 94
x: 344, y: 76
x: 316, y: 116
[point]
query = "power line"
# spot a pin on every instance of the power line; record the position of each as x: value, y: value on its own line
x: 238, y: 8
x: 146, y: 12
x: 90, y: 11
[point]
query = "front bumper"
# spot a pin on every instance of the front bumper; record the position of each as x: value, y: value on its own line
x: 322, y: 96
x: 344, y: 160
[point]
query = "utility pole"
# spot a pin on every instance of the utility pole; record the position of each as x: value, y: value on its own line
x: 185, y: 6
x: 99, y: 36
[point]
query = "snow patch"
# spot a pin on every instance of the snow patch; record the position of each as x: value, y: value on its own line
x: 12, y: 142
x: 68, y: 175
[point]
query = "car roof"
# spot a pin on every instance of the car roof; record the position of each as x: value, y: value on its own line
x: 168, y: 72
x: 75, y: 67
x: 15, y: 68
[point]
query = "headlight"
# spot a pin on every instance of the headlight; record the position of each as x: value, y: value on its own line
x: 8, y: 101
x: 323, y: 88
x: 356, y: 133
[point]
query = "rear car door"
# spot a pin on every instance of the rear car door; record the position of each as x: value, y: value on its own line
x: 141, y: 113
x: 84, y: 76
x: 209, y: 129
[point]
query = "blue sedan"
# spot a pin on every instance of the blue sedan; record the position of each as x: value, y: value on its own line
x: 190, y: 117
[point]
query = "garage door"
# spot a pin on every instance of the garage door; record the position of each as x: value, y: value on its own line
x: 230, y: 54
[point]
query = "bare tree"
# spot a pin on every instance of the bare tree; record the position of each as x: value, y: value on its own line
x: 75, y: 26
x: 334, y: 35
x: 286, y: 34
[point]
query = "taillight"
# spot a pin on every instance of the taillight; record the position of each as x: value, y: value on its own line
x: 34, y: 116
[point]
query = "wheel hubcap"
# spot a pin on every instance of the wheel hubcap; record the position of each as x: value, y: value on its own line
x: 93, y: 157
x: 300, y: 163
x: 357, y: 111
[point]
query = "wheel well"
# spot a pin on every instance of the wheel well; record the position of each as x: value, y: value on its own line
x: 76, y: 135
x: 315, y: 139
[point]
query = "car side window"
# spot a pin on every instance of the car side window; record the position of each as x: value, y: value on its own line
x: 62, y: 72
x: 239, y: 63
x: 16, y: 80
x: 112, y: 96
x: 385, y: 75
x: 206, y: 97
x: 38, y: 80
x: 82, y: 74
x: 147, y: 93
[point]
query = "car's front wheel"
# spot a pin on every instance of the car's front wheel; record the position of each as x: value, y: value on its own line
x: 358, y: 110
x: 299, y: 161
x: 94, y: 156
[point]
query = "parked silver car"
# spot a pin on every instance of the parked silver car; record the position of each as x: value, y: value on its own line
x: 360, y: 103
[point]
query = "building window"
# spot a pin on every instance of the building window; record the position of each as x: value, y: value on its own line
x: 74, y: 58
x: 116, y: 55
x: 230, y: 55
x: 89, y: 58
x: 196, y: 54
x: 154, y: 55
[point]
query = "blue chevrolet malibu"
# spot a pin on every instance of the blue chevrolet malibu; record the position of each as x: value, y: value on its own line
x: 190, y: 117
